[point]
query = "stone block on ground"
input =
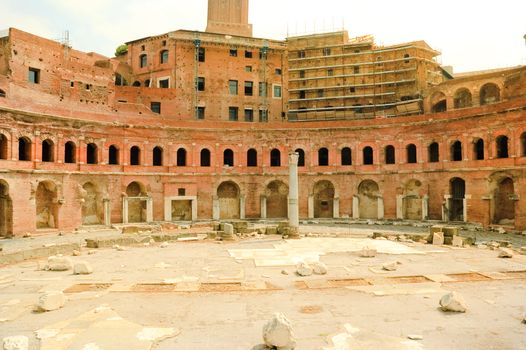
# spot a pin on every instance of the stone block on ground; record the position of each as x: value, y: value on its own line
x: 82, y: 268
x: 131, y: 230
x: 438, y: 238
x: 278, y: 333
x: 50, y: 301
x: 505, y: 253
x: 304, y: 269
x: 58, y: 263
x: 450, y: 231
x: 435, y: 228
x: 448, y: 240
x: 318, y: 268
x: 367, y: 252
x: 453, y: 302
x: 457, y: 241
x: 390, y: 266
x: 228, y: 229
x: 18, y: 342
x: 164, y: 245
x: 271, y: 231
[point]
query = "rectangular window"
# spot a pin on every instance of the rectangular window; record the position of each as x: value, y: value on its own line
x: 201, y: 54
x: 164, y: 83
x: 356, y: 69
x: 263, y: 89
x: 263, y: 55
x: 200, y: 84
x: 232, y: 87
x: 34, y: 76
x: 326, y: 51
x: 164, y: 42
x: 233, y: 52
x: 330, y: 72
x: 263, y: 116
x: 164, y: 56
x: 302, y: 74
x: 249, y: 88
x: 352, y: 89
x: 320, y: 93
x: 248, y: 54
x: 155, y: 107
x: 278, y: 71
x: 233, y: 113
x: 301, y: 54
x: 181, y: 191
x: 200, y: 113
x: 248, y: 69
x: 302, y: 94
x: 249, y: 115
x: 143, y: 61
x: 277, y: 91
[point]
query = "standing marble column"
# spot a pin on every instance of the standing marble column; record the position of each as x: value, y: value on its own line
x: 293, y: 194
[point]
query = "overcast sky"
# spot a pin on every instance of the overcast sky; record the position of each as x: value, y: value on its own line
x: 471, y: 34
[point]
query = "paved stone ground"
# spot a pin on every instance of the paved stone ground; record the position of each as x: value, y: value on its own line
x: 197, y: 295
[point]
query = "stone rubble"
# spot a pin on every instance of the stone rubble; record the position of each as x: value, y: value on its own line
x: 318, y: 268
x: 367, y: 252
x: 278, y: 333
x: 505, y: 253
x: 18, y: 342
x: 58, y: 263
x: 49, y: 301
x: 390, y: 266
x: 438, y: 238
x: 304, y: 269
x: 82, y: 268
x: 76, y: 253
x: 415, y: 337
x: 164, y: 245
x: 453, y: 302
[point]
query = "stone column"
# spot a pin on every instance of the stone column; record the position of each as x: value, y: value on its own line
x: 336, y: 207
x: 167, y: 209
x: 107, y: 212
x: 194, y: 209
x: 400, y: 207
x: 355, y: 207
x: 215, y: 208
x: 293, y: 208
x: 425, y: 207
x: 310, y: 206
x: 445, y: 208
x: 149, y: 209
x: 263, y: 204
x: 465, y: 205
x: 242, y: 207
x: 380, y: 208
x: 124, y: 210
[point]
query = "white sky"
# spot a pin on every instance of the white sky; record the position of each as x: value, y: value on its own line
x: 471, y: 34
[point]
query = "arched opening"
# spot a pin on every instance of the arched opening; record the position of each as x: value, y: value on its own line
x: 137, y: 196
x: 157, y: 156
x: 181, y: 157
x: 252, y: 158
x: 135, y: 155
x: 411, y: 153
x: 3, y: 147
x: 228, y: 157
x: 368, y: 157
x: 70, y: 152
x: 462, y: 98
x: 24, y: 149
x: 502, y: 146
x: 113, y: 155
x: 412, y: 204
x: 323, y: 199
x: 136, y: 83
x: 92, y: 156
x: 456, y: 151
x: 457, y: 191
x: 48, y: 151
x: 2, y: 93
x: 433, y: 153
x: 346, y: 156
x: 438, y: 102
x: 523, y: 144
x: 228, y: 194
x: 504, y: 203
x: 478, y: 149
x: 368, y: 194
x: 277, y: 199
x: 91, y: 207
x: 301, y: 156
x: 489, y: 93
x: 390, y: 157
x: 323, y: 157
x: 46, y: 205
x: 6, y: 211
x: 275, y: 157
x: 205, y: 158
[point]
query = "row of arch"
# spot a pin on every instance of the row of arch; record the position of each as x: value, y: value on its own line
x: 463, y: 98
x: 389, y: 153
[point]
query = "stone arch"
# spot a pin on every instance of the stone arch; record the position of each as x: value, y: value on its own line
x: 478, y: 149
x: 411, y: 153
x: 489, y: 93
x: 277, y: 199
x: 412, y: 204
x: 275, y: 158
x: 2, y: 93
x: 229, y: 195
x: 137, y: 194
x: 463, y: 98
x: 433, y: 152
x: 92, y: 154
x: 456, y: 151
x: 92, y: 211
x: 503, y: 207
x: 389, y: 153
x: 46, y: 205
x: 181, y: 157
x: 501, y: 143
x: 301, y: 156
x: 113, y: 155
x: 48, y: 150
x: 323, y: 157
x: 205, y: 157
x: 157, y: 156
x: 346, y: 156
x: 368, y: 155
x: 135, y: 155
x: 368, y: 194
x: 136, y: 83
x: 70, y: 152
x: 228, y: 157
x: 3, y: 146
x: 438, y: 102
x: 24, y: 148
x: 323, y: 195
x: 252, y: 158
x: 6, y: 211
x: 457, y: 192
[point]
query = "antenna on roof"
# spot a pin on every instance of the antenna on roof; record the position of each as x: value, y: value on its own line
x: 64, y: 39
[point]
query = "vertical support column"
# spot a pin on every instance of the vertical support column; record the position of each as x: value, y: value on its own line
x: 242, y: 200
x: 355, y: 207
x: 445, y: 208
x: 124, y: 210
x: 149, y: 210
x: 311, y: 206
x: 336, y: 207
x: 263, y: 204
x: 215, y: 208
x: 293, y: 208
x: 465, y: 207
x: 425, y: 207
x: 107, y: 212
x: 400, y: 207
x: 380, y: 208
x: 194, y: 209
x: 168, y: 209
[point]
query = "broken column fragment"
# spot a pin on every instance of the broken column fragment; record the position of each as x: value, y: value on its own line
x: 453, y: 302
x: 278, y: 333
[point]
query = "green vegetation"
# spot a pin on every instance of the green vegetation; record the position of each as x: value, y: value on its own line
x: 121, y: 50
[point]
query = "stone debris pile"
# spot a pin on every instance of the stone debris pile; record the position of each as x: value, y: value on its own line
x: 278, y: 333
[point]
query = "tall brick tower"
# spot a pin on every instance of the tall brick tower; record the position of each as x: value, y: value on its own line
x: 229, y: 17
